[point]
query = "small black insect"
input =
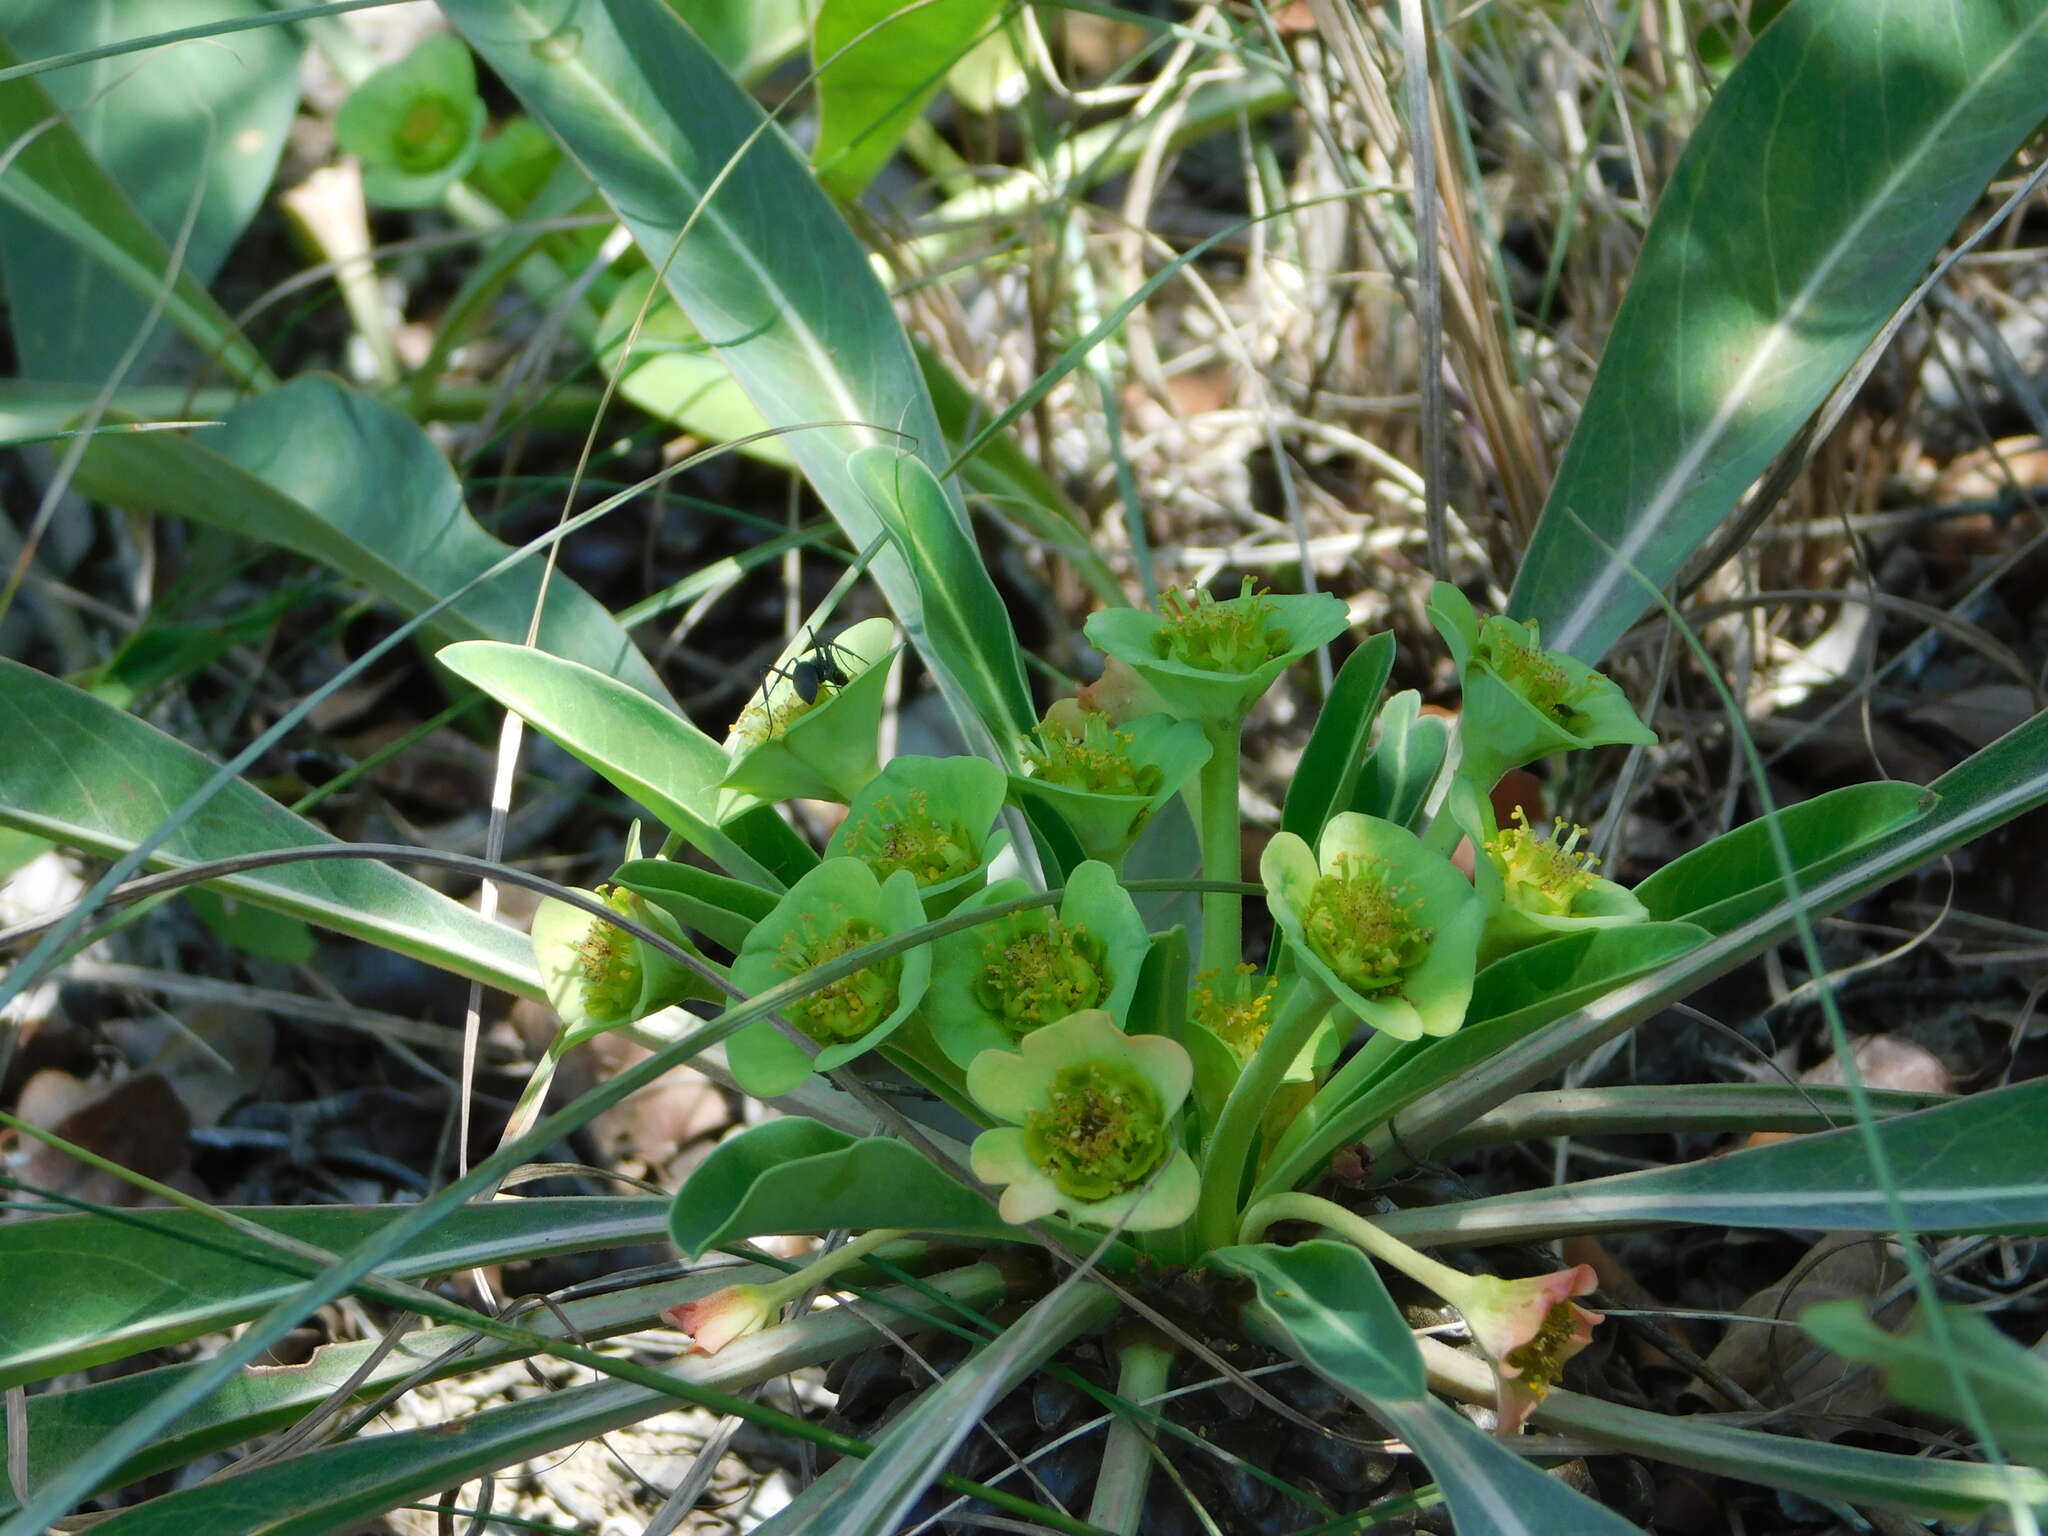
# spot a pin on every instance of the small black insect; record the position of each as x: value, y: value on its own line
x: 820, y: 665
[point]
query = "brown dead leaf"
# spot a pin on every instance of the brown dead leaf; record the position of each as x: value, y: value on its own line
x: 1887, y: 1063
x: 136, y: 1121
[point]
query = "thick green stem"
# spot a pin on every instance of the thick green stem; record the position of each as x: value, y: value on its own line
x: 1222, y: 847
x: 801, y: 1282
x: 1230, y: 1142
x: 1346, y: 1084
x: 1449, y: 1283
x: 1127, y: 1458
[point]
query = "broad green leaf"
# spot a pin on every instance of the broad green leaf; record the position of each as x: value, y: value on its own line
x: 722, y: 909
x: 1953, y: 1490
x: 750, y: 37
x: 650, y: 753
x: 1328, y: 1300
x: 1721, y: 883
x: 769, y: 273
x: 338, y: 1487
x: 1979, y: 1164
x: 67, y: 221
x: 1012, y: 481
x: 1824, y: 177
x: 1404, y: 764
x: 795, y: 1175
x: 879, y: 63
x: 2008, y: 1380
x: 89, y: 1288
x: 1323, y: 1303
x: 331, y: 474
x: 960, y: 606
x: 2004, y: 780
x: 272, y: 1397
x: 1651, y: 1108
x: 1327, y: 774
x: 141, y: 120
x: 674, y: 375
x: 90, y: 776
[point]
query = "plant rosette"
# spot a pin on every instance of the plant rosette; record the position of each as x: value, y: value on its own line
x: 598, y: 975
x: 417, y: 124
x: 1522, y: 702
x: 1210, y: 658
x: 1388, y: 928
x: 932, y: 816
x: 1536, y: 884
x: 836, y: 908
x: 1104, y: 780
x: 996, y: 983
x: 787, y: 747
x: 1089, y: 1130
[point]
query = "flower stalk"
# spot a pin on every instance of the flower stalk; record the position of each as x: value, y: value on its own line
x: 739, y: 1310
x: 1527, y: 1328
x: 1222, y: 844
x: 1230, y: 1141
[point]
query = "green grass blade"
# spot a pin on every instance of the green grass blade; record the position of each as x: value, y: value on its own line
x: 53, y: 186
x: 87, y: 775
x: 332, y: 474
x: 1830, y: 168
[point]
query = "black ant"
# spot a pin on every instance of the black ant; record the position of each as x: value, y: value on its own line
x: 815, y: 668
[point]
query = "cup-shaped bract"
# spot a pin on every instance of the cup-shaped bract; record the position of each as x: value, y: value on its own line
x: 1104, y: 780
x: 1528, y: 1329
x: 1388, y: 928
x: 1089, y: 1126
x: 833, y: 910
x: 598, y: 975
x: 1522, y: 702
x: 996, y: 983
x: 1210, y: 658
x: 417, y: 124
x: 809, y: 732
x: 932, y: 816
x: 1536, y: 884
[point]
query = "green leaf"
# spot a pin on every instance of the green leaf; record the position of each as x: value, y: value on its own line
x: 90, y: 1288
x: 959, y: 605
x: 1979, y: 1164
x: 1729, y: 880
x: 2008, y: 1381
x: 769, y: 272
x: 340, y: 1487
x: 252, y: 929
x: 796, y: 1175
x: 1012, y: 480
x: 273, y: 1397
x: 1953, y: 1490
x: 1405, y: 763
x: 750, y: 37
x: 64, y: 214
x: 1323, y: 1303
x: 1327, y: 1299
x: 1327, y: 774
x: 1824, y: 177
x: 648, y: 752
x: 86, y: 775
x: 331, y: 474
x: 723, y: 910
x: 880, y: 62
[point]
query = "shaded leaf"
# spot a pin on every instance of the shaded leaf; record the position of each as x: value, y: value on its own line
x: 880, y: 62
x: 1862, y: 130
x: 89, y: 776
